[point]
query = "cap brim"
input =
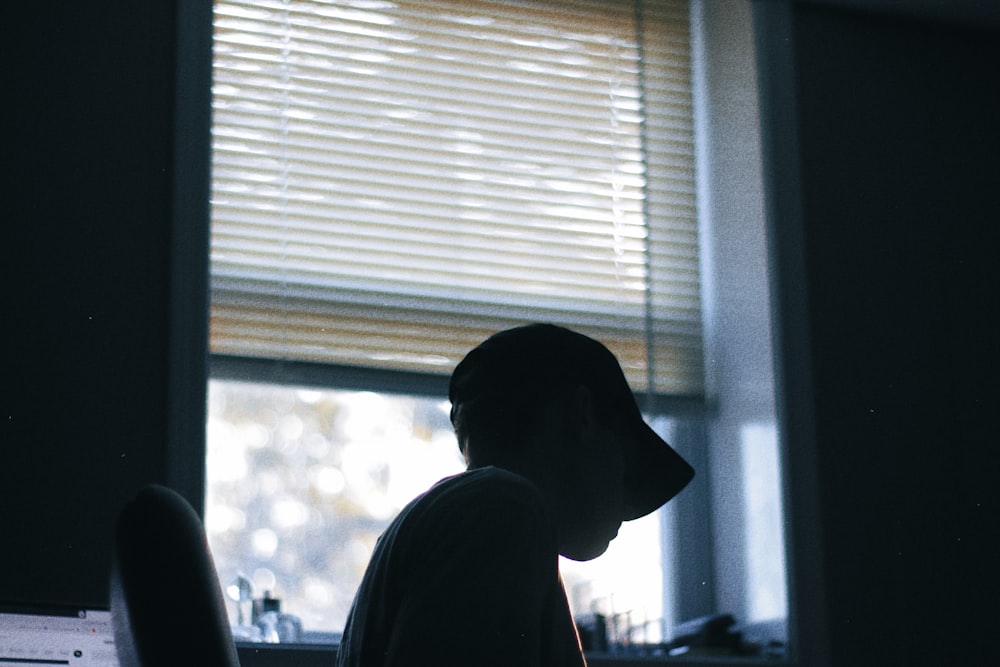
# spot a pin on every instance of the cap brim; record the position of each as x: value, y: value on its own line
x: 655, y: 474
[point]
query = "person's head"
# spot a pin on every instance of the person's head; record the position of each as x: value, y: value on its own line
x: 553, y: 405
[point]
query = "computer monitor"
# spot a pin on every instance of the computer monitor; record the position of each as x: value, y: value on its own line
x: 56, y: 636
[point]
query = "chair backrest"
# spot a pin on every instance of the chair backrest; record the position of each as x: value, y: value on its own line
x: 166, y: 602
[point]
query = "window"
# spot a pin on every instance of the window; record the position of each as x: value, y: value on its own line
x: 302, y: 481
x: 394, y: 181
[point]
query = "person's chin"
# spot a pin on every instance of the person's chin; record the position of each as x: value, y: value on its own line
x: 587, y: 552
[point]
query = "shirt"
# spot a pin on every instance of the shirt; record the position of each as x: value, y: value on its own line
x: 466, y: 574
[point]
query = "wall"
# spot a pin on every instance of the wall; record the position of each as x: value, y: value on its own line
x: 882, y: 139
x: 94, y: 219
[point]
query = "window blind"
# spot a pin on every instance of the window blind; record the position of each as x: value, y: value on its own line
x: 394, y: 181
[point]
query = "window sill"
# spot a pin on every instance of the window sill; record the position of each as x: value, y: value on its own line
x: 309, y: 655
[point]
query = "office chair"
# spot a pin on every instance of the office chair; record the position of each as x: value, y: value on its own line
x: 166, y: 603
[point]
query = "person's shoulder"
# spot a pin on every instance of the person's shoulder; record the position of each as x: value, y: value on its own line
x: 482, y: 495
x: 488, y: 482
x: 480, y: 515
x: 490, y: 476
x: 483, y: 510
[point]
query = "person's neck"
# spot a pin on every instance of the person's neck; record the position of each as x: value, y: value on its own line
x: 548, y: 476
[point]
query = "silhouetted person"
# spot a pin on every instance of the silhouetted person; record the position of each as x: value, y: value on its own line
x: 558, y: 456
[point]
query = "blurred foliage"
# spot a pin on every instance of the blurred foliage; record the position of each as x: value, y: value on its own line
x: 301, y: 483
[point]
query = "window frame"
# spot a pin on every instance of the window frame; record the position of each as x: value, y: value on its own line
x: 184, y: 471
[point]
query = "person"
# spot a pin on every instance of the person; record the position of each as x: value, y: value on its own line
x: 558, y: 456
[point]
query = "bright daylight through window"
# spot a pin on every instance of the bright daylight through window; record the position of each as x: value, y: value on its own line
x: 392, y: 183
x: 303, y: 482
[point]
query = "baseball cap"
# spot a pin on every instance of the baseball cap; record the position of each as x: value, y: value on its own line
x: 542, y: 355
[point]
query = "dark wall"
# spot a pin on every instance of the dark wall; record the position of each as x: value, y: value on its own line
x: 89, y: 210
x: 898, y: 137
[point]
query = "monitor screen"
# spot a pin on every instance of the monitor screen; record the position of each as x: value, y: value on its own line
x: 78, y: 637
